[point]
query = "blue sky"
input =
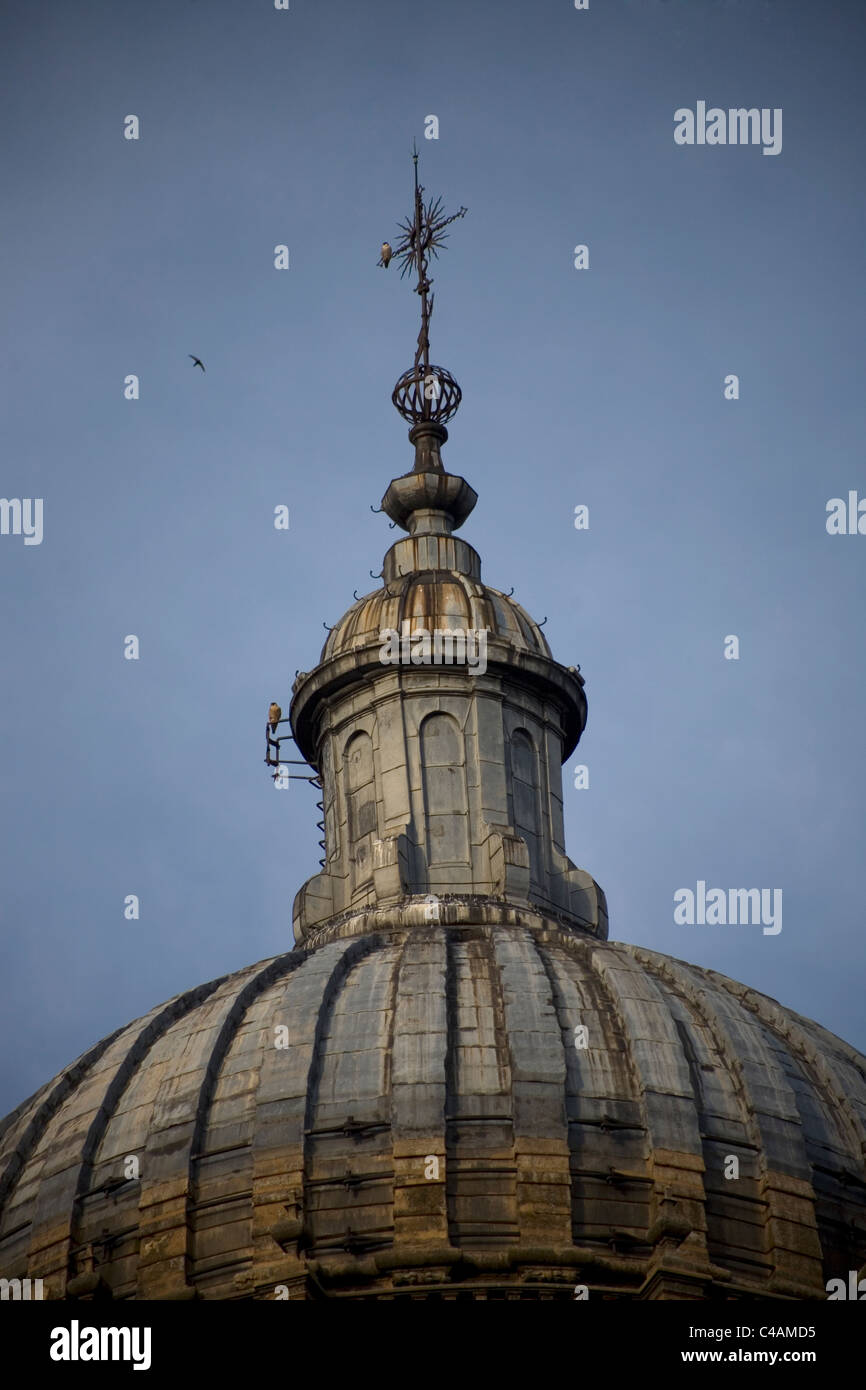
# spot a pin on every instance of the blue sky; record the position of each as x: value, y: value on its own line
x: 601, y: 387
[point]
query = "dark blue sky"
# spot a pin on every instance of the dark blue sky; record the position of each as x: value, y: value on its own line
x: 603, y: 387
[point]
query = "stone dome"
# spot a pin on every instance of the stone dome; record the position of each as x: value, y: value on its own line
x: 405, y: 1109
x: 455, y: 1086
x: 431, y: 599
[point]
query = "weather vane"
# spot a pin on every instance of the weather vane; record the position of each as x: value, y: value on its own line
x: 425, y: 392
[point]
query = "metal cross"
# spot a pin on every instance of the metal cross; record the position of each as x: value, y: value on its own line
x: 423, y: 236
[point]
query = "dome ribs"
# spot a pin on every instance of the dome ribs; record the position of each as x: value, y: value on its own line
x: 538, y: 1075
x: 404, y: 1110
x: 679, y: 1265
x: 795, y: 1034
x: 34, y: 1117
x: 833, y: 1127
x: 348, y: 1144
x: 287, y: 1077
x: 610, y: 1184
x: 435, y: 598
x: 779, y: 1175
x: 64, y: 1250
x: 736, y: 1211
x: 144, y: 1114
x: 845, y: 1066
x: 419, y: 1092
x: 481, y: 1173
x: 34, y: 1114
x: 218, y: 1197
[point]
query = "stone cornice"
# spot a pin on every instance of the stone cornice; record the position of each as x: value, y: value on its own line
x: 363, y: 666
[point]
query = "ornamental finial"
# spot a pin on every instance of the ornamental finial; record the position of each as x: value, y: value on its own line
x: 425, y: 392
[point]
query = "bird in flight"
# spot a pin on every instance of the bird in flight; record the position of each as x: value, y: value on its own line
x: 275, y: 714
x: 196, y: 361
x: 386, y: 255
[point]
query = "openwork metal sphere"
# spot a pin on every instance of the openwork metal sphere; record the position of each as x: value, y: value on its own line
x: 426, y: 393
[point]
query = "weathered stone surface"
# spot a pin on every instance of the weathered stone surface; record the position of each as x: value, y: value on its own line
x: 454, y: 1045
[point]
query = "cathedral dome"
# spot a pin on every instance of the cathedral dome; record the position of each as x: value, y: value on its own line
x: 407, y: 1109
x: 454, y: 1086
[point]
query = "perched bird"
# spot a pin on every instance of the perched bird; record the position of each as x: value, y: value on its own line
x: 196, y: 361
x: 386, y: 255
x: 275, y: 714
